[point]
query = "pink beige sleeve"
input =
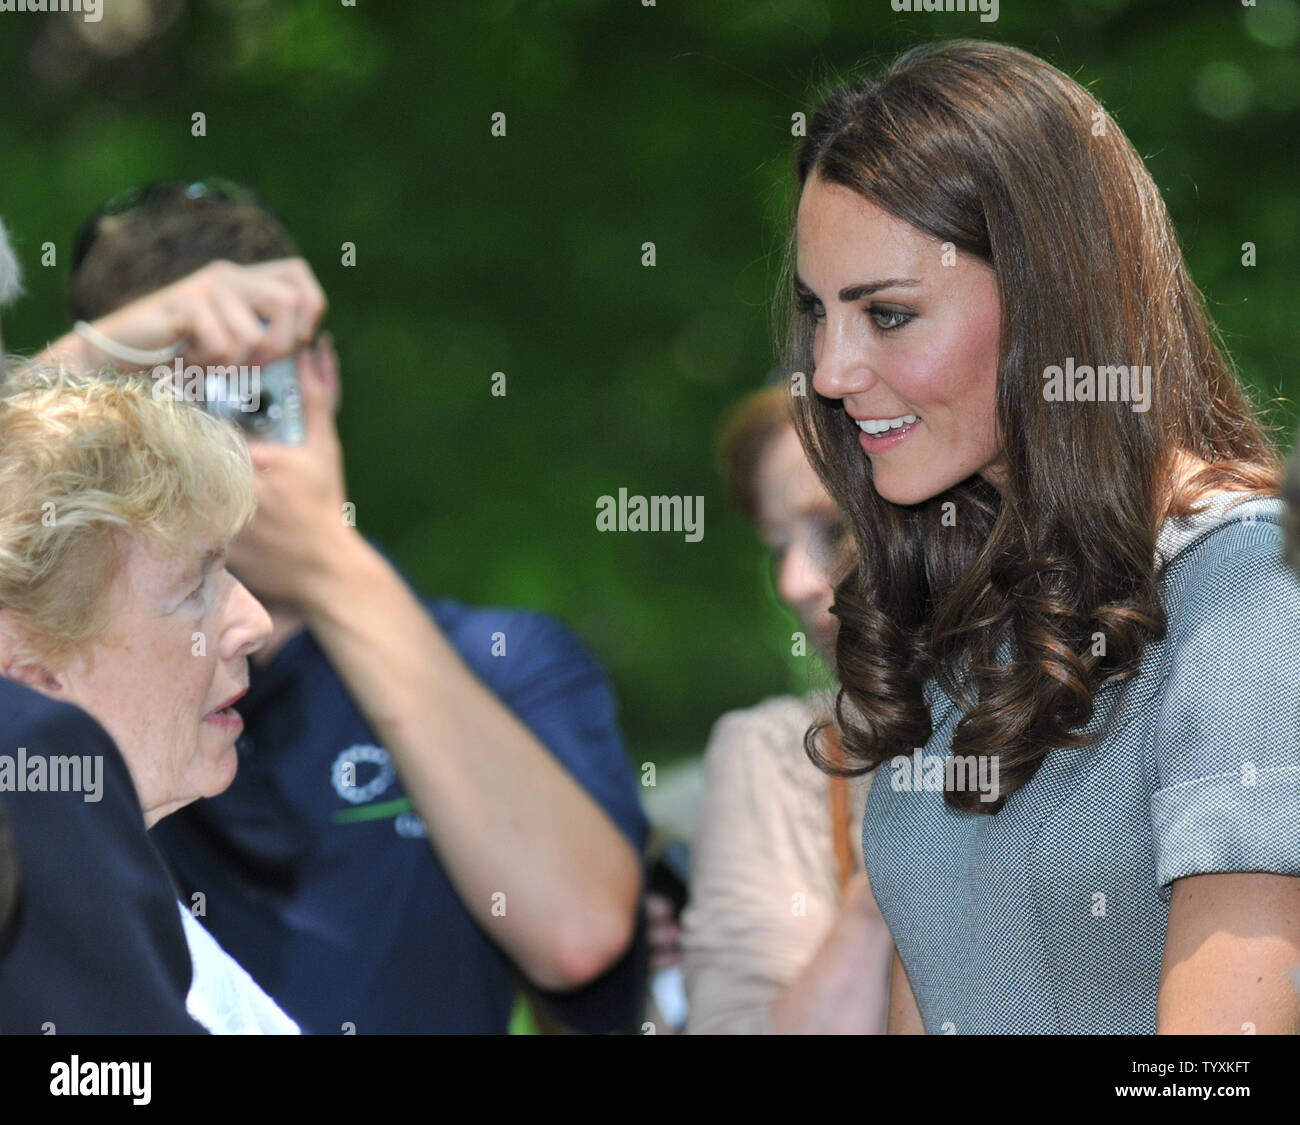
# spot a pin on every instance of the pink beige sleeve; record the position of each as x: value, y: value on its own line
x: 763, y: 881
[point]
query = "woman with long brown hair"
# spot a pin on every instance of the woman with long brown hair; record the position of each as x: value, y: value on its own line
x: 1070, y: 644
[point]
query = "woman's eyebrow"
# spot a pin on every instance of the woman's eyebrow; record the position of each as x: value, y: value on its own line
x: 201, y: 566
x: 866, y: 288
x: 194, y: 571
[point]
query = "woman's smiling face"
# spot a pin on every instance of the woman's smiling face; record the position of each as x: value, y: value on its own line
x: 900, y: 337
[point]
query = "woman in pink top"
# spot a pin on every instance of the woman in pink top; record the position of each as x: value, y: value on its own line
x: 782, y: 932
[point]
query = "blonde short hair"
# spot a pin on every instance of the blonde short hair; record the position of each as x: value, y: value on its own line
x: 86, y: 463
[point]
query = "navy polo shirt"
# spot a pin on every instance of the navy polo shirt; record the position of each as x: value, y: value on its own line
x: 319, y: 878
x: 95, y: 945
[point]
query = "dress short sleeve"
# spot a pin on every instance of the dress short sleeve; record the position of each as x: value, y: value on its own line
x: 1227, y: 745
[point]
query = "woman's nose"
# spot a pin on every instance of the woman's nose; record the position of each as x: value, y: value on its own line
x: 840, y: 362
x: 250, y: 624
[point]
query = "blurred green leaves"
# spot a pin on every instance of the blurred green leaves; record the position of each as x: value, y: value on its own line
x: 626, y: 124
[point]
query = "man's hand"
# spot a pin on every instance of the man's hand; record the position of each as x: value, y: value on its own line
x: 222, y: 314
x: 299, y: 531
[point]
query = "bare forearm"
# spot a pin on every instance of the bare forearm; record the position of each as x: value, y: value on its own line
x: 503, y: 815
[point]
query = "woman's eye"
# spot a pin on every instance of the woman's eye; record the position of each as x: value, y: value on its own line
x: 827, y: 541
x: 889, y: 319
x: 886, y: 320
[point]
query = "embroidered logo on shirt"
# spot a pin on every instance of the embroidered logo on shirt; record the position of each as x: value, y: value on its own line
x: 411, y: 826
x: 345, y: 774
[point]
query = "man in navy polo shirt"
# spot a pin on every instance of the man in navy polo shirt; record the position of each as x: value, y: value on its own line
x: 432, y: 800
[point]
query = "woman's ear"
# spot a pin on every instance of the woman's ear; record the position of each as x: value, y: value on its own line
x: 16, y: 665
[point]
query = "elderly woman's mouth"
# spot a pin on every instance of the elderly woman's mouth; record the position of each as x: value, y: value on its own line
x: 226, y: 715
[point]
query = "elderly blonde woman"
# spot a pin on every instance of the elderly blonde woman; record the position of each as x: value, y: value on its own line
x: 116, y: 508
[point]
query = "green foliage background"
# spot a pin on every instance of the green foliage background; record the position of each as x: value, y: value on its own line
x: 626, y: 124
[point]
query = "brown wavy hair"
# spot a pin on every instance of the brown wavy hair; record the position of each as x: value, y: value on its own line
x: 997, y: 152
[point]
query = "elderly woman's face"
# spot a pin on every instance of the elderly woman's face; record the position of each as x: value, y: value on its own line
x: 906, y: 337
x: 163, y: 676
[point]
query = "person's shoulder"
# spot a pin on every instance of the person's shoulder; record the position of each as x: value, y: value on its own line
x: 46, y: 728
x: 1232, y: 566
x: 786, y: 708
x: 509, y: 637
x: 456, y: 617
x: 475, y: 628
x: 28, y: 712
x: 21, y: 705
x: 485, y: 634
x: 1229, y: 671
x: 768, y: 736
x: 1222, y: 526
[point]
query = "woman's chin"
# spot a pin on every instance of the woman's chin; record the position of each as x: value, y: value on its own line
x: 222, y: 773
x: 905, y: 490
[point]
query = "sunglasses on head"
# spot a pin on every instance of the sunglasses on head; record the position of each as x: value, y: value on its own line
x: 215, y: 188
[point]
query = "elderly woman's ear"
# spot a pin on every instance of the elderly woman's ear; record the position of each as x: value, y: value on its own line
x: 20, y: 666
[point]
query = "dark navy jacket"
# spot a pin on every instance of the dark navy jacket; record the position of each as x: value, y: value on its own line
x: 96, y: 945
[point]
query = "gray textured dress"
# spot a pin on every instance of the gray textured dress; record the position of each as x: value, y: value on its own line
x: 1049, y: 917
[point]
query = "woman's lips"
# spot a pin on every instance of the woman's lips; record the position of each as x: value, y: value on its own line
x: 226, y: 719
x: 890, y: 439
x: 226, y: 716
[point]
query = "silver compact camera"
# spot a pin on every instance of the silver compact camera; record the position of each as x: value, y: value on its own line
x: 265, y: 402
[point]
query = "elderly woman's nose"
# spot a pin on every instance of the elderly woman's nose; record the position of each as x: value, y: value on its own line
x: 249, y: 624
